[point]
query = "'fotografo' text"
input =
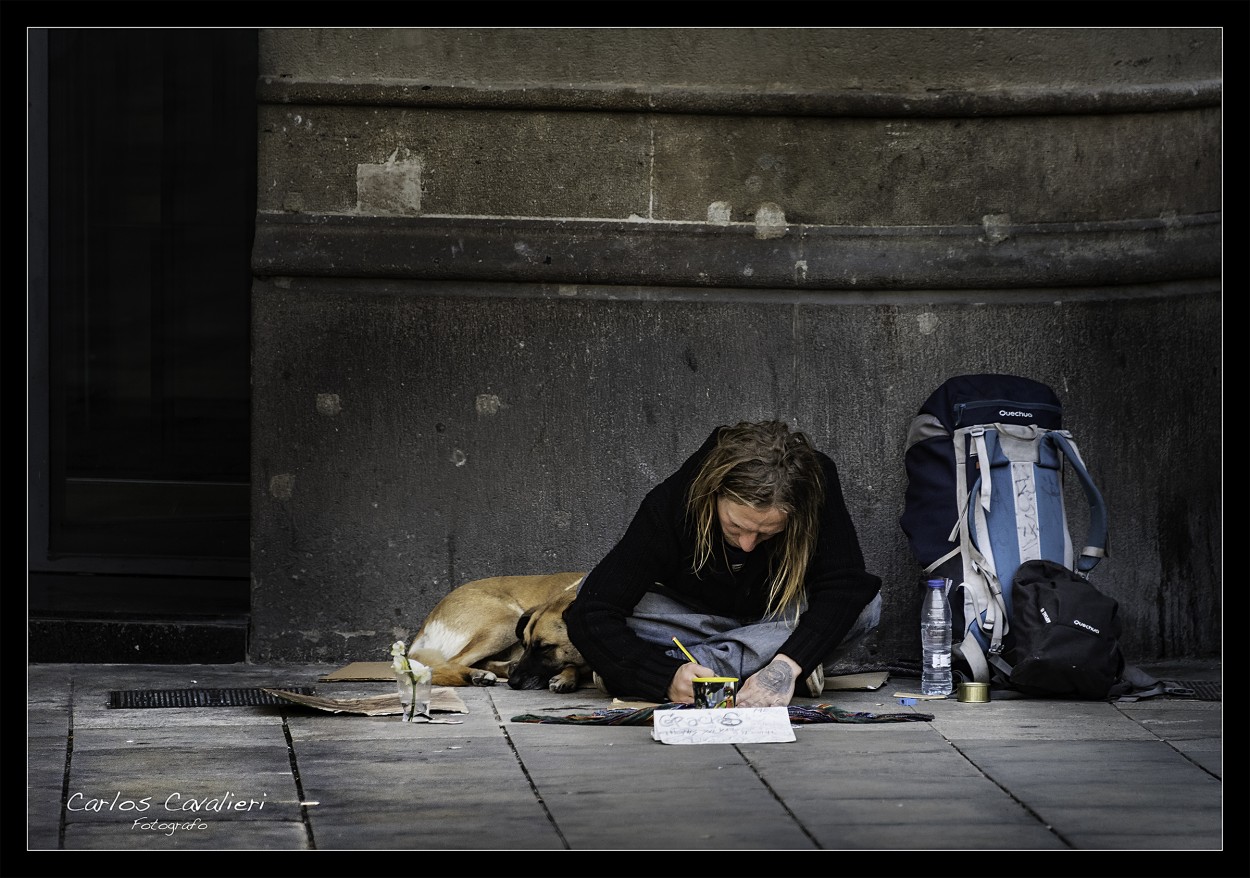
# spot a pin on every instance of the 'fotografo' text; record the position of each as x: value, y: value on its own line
x: 169, y: 828
x: 173, y: 803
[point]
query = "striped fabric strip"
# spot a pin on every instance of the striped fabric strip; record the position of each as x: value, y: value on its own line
x: 641, y: 716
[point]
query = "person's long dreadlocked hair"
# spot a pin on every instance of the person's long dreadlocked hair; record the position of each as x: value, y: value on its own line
x: 763, y: 465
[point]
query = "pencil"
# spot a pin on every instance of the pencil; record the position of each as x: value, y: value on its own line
x: 686, y: 651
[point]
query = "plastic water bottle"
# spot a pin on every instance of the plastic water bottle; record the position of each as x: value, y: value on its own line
x: 935, y: 640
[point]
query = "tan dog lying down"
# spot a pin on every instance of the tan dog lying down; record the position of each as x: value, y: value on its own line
x: 504, y: 626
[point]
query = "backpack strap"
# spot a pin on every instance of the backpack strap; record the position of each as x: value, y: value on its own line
x: 985, y: 609
x: 1095, y: 548
x: 1001, y: 670
x: 1134, y: 683
x: 983, y: 571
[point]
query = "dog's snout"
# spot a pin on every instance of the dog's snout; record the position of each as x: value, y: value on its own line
x: 530, y: 671
x: 526, y: 681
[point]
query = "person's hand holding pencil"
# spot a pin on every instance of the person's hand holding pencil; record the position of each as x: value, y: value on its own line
x: 681, y: 689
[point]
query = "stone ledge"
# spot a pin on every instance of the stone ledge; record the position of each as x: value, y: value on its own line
x: 933, y: 103
x: 996, y: 255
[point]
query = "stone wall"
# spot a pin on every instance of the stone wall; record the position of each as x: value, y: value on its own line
x: 508, y: 279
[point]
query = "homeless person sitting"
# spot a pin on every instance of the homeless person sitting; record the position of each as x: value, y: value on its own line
x: 748, y: 556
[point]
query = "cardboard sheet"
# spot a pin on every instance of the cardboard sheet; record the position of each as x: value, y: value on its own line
x: 442, y: 700
x: 360, y: 672
x: 870, y: 680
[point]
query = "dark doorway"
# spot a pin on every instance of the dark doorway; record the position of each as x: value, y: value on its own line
x: 143, y: 202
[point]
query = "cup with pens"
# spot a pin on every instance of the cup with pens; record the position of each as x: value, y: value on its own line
x: 711, y: 692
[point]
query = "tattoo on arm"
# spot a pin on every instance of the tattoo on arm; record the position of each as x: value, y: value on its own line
x: 776, y: 677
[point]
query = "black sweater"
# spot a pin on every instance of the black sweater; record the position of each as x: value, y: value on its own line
x: 658, y: 547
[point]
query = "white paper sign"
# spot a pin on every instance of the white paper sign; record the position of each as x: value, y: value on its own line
x: 722, y: 725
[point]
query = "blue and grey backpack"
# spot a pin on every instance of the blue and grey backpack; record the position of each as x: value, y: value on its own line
x: 985, y: 459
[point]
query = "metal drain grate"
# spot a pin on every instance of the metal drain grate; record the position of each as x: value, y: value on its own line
x: 139, y: 698
x: 1202, y: 690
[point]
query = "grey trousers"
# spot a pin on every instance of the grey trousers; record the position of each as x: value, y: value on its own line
x: 725, y: 645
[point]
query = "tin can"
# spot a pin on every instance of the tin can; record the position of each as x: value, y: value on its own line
x: 715, y: 691
x: 973, y: 693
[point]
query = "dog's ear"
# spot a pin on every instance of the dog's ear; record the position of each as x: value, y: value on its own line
x: 520, y: 626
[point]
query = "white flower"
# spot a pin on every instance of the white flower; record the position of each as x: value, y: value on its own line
x: 420, y: 673
x: 400, y: 662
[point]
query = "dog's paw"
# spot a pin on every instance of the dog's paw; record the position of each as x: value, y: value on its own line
x: 483, y: 678
x: 561, y: 683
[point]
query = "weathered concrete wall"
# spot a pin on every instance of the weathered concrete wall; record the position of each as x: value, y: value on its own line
x: 507, y: 280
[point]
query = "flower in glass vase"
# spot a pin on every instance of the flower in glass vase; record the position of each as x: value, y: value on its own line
x: 413, y: 680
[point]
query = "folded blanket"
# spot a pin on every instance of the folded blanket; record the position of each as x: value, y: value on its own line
x: 630, y: 716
